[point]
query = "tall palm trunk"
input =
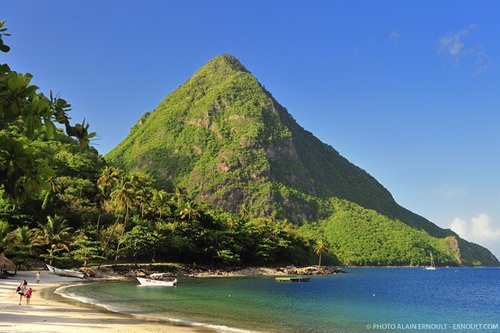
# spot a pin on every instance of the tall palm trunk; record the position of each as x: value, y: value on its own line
x: 109, y: 240
x: 98, y: 221
x: 121, y: 236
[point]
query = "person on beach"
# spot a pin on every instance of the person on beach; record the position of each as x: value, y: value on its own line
x: 21, y: 290
x: 38, y: 277
x: 28, y: 295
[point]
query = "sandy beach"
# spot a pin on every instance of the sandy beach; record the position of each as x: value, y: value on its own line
x: 50, y: 314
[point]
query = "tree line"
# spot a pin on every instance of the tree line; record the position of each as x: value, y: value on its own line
x: 93, y: 213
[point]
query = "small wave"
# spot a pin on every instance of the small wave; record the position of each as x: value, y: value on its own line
x: 180, y: 322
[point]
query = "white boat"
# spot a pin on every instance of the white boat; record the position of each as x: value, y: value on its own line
x: 154, y: 280
x: 66, y: 272
x: 432, y: 267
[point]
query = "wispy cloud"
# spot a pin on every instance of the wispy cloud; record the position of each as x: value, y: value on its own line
x: 482, y: 61
x: 352, y: 55
x: 452, y: 191
x: 479, y: 229
x: 394, y: 37
x: 454, y: 45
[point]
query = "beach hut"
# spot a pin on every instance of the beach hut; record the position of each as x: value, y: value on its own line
x: 6, y: 264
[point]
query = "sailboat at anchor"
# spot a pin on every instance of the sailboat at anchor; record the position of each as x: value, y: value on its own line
x: 432, y: 267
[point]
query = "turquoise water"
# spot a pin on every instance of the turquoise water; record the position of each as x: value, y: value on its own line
x: 366, y: 299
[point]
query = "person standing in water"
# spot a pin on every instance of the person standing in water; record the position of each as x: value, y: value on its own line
x: 38, y: 277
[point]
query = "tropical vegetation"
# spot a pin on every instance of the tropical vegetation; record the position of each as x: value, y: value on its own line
x: 234, y: 182
x: 94, y: 213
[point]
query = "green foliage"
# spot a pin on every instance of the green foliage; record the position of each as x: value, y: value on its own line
x: 364, y: 237
x: 85, y: 249
x: 21, y: 176
x: 3, y: 33
x: 139, y: 242
x: 87, y: 204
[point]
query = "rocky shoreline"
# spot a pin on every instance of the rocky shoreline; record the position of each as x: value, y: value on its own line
x: 179, y: 270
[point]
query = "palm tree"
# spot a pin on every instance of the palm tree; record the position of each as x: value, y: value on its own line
x: 21, y: 242
x: 110, y: 175
x: 24, y: 237
x: 101, y: 198
x: 160, y: 199
x: 189, y: 211
x: 179, y: 193
x: 109, y: 178
x: 144, y: 185
x: 322, y: 246
x: 54, y: 233
x: 124, y: 195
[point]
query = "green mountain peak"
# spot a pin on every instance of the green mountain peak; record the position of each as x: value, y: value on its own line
x: 224, y: 63
x: 224, y: 138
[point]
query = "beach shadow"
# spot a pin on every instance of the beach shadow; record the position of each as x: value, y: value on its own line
x: 74, y: 319
x: 37, y: 316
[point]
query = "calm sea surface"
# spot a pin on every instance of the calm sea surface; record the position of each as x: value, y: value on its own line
x: 366, y: 299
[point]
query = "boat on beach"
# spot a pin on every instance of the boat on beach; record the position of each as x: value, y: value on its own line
x: 155, y: 280
x: 66, y: 272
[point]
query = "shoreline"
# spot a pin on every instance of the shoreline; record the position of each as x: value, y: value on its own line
x: 49, y: 312
x: 129, y: 271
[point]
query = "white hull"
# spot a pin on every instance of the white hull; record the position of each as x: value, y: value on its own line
x: 432, y: 267
x: 158, y: 283
x: 65, y: 272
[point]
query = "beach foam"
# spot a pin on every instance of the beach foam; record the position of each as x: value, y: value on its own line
x: 63, y: 291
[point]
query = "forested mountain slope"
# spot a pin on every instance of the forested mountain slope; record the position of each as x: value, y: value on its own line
x: 223, y: 137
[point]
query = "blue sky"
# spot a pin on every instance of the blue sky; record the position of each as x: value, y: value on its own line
x: 407, y: 90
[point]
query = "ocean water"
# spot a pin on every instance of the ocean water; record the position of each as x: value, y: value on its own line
x: 365, y: 299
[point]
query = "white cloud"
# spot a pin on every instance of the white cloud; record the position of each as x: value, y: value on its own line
x: 453, y: 45
x: 460, y: 227
x: 479, y: 229
x: 451, y: 191
x: 482, y: 229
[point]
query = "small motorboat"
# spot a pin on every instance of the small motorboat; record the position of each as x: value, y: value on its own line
x: 155, y: 280
x: 66, y: 272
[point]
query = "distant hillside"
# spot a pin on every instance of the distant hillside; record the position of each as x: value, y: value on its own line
x: 225, y: 138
